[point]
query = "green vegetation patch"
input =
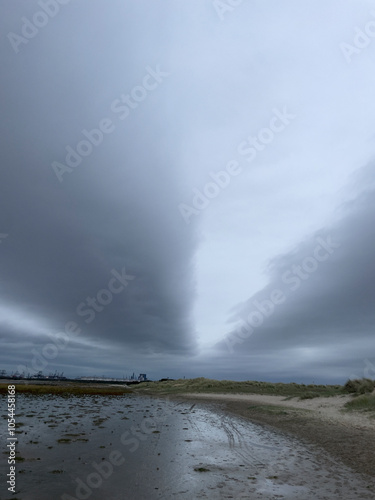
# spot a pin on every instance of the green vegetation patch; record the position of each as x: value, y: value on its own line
x: 67, y: 389
x: 204, y: 385
x: 359, y: 386
x: 365, y: 402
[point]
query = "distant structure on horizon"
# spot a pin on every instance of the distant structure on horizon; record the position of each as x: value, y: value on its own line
x: 141, y: 378
x: 60, y: 376
x: 39, y: 376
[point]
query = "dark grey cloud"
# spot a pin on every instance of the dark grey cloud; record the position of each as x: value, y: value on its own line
x: 115, y: 212
x: 324, y: 295
x: 174, y: 89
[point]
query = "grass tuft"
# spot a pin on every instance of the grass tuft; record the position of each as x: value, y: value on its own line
x: 359, y: 386
x: 365, y: 402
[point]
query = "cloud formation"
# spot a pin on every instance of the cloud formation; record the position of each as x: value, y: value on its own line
x: 115, y: 116
x: 318, y: 302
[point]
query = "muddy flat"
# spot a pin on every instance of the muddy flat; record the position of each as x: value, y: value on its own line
x: 323, y: 422
x: 140, y: 447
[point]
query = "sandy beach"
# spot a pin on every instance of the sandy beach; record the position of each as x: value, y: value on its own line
x: 349, y: 436
x: 189, y: 445
x: 132, y: 446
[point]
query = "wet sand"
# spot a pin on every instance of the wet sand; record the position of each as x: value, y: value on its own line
x: 348, y: 436
x: 139, y: 447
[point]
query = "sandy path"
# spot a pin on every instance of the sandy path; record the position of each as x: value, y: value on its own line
x: 329, y: 409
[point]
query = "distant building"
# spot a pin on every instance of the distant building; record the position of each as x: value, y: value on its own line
x: 142, y: 377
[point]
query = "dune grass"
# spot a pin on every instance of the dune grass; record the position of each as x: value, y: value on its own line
x: 204, y: 385
x: 364, y: 402
x: 360, y: 386
x: 67, y: 389
x: 363, y: 394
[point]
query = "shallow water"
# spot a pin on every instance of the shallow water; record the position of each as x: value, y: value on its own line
x: 135, y: 447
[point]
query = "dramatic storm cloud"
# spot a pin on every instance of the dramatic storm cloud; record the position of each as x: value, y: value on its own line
x: 317, y: 310
x: 187, y: 188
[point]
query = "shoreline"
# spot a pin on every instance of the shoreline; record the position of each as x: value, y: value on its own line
x: 348, y: 437
x: 149, y: 447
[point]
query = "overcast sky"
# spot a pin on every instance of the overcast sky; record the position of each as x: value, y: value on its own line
x: 187, y: 188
